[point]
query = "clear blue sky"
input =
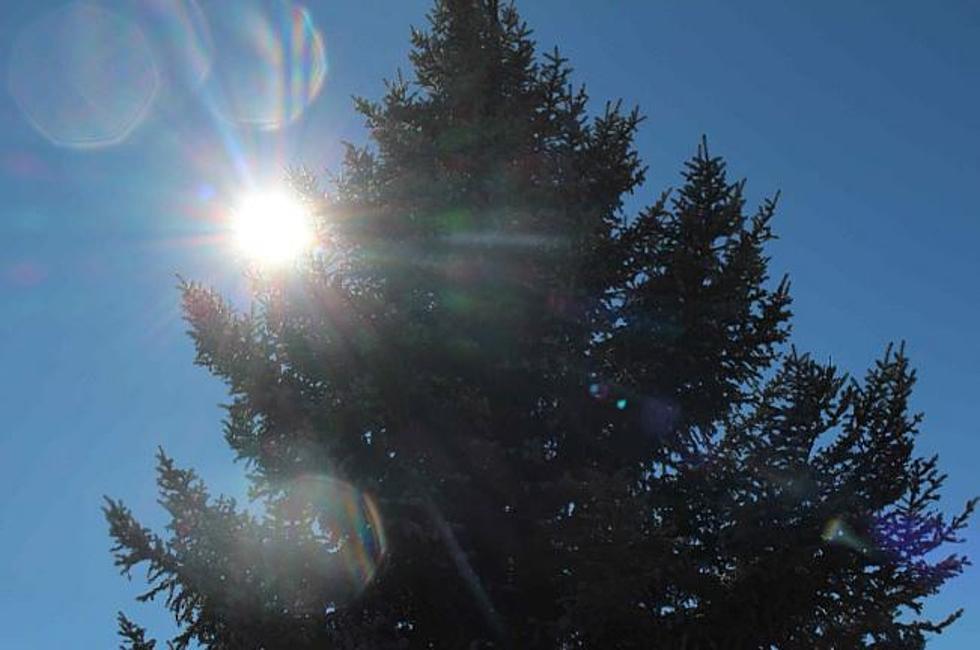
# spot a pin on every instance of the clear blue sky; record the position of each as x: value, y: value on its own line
x: 865, y: 114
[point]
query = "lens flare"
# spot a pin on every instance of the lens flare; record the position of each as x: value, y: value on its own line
x: 22, y: 275
x: 348, y: 524
x: 83, y: 76
x: 270, y: 62
x: 839, y: 533
x: 181, y: 42
x: 273, y: 228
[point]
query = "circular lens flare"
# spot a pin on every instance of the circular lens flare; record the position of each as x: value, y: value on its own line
x: 270, y: 62
x: 334, y: 544
x: 273, y: 228
x: 83, y: 76
x: 348, y: 524
x: 180, y: 38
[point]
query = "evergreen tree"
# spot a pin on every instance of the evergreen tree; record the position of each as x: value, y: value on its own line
x: 495, y: 410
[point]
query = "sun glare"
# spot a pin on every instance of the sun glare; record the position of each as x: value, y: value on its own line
x: 273, y: 228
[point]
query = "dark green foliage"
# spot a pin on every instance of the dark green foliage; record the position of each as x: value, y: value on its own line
x: 133, y: 635
x: 580, y: 429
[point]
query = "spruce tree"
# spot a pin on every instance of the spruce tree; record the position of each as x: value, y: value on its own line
x: 495, y: 410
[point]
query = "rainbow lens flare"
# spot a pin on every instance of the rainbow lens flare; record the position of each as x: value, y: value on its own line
x: 347, y: 524
x: 181, y: 42
x: 270, y: 62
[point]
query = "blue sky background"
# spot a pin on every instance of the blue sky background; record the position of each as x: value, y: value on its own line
x: 864, y: 114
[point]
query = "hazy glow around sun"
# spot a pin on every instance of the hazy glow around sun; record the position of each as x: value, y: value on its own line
x: 272, y: 228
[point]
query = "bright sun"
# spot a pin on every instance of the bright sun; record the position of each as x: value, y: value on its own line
x: 273, y: 228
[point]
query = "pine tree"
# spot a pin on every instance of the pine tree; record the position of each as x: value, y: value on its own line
x: 495, y: 410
